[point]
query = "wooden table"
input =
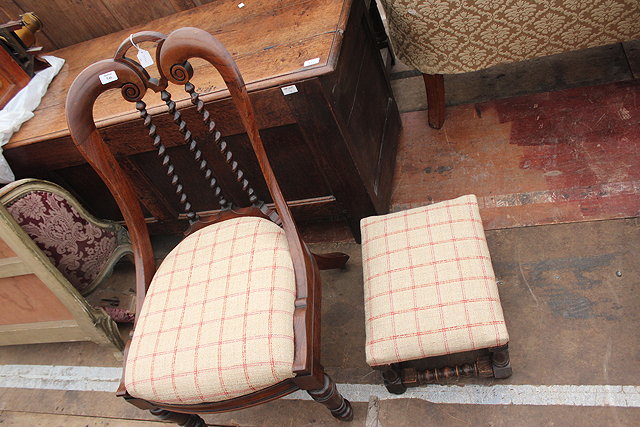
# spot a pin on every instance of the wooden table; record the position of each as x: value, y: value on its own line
x: 332, y: 143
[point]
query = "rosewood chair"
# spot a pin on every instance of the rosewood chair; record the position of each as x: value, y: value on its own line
x: 231, y: 318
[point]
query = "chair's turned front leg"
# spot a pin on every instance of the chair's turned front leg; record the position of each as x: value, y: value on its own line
x: 185, y: 420
x: 330, y: 397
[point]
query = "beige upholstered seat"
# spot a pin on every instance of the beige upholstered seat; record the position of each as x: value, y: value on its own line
x: 216, y: 324
x: 429, y: 287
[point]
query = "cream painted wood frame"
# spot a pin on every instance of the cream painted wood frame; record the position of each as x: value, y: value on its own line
x: 38, y: 304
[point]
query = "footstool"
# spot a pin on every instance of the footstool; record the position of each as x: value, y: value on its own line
x: 430, y: 290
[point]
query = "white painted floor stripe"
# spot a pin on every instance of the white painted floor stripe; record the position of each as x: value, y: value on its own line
x: 471, y: 394
x: 89, y: 378
x: 83, y: 378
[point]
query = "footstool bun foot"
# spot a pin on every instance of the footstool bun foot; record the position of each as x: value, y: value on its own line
x: 500, y: 361
x: 392, y: 379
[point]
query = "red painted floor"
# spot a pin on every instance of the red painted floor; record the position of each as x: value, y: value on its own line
x: 554, y: 157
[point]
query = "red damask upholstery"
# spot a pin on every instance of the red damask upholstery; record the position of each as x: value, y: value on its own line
x: 78, y: 248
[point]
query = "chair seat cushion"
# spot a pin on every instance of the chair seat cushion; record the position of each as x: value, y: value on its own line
x: 217, y: 321
x: 429, y: 286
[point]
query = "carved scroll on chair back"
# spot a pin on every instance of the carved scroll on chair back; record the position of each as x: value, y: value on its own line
x: 172, y: 55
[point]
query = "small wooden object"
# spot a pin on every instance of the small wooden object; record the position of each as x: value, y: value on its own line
x: 12, y: 77
x: 17, y: 61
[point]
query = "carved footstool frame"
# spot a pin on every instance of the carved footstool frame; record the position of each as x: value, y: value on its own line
x: 496, y: 364
x: 430, y: 291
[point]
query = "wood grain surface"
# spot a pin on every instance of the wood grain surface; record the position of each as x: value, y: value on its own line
x: 67, y: 22
x: 291, y: 33
x: 30, y: 301
x: 332, y: 143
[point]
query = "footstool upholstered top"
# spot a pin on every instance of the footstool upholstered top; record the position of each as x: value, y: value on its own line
x: 429, y: 286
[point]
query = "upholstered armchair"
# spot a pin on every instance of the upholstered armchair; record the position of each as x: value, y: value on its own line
x: 445, y: 37
x: 81, y: 246
x: 53, y: 255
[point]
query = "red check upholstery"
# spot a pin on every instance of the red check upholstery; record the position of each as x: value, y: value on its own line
x: 217, y: 321
x: 429, y: 285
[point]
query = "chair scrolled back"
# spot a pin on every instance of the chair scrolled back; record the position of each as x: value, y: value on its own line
x: 172, y: 61
x: 178, y: 70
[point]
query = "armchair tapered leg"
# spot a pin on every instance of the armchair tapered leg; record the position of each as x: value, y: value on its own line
x: 331, y: 260
x: 330, y: 397
x: 434, y: 84
x: 185, y: 420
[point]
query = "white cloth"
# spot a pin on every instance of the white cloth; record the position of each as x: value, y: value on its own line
x: 20, y: 109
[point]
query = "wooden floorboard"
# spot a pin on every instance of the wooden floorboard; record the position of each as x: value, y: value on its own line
x: 545, y: 158
x: 10, y: 418
x: 106, y: 406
